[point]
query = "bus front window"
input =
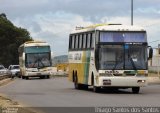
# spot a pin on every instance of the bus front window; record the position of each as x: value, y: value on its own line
x: 111, y: 57
x: 135, y: 57
x: 122, y: 57
x: 38, y: 60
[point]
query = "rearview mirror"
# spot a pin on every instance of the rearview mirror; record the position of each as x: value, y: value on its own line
x: 150, y: 53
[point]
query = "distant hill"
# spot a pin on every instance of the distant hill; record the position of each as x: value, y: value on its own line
x: 59, y: 59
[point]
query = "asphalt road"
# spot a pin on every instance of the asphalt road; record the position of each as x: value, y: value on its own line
x: 59, y: 92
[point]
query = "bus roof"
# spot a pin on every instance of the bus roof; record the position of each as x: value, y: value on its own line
x: 107, y: 27
x: 28, y: 42
x: 35, y: 43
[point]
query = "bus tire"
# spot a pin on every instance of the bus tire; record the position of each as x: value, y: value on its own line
x: 41, y: 77
x: 96, y: 89
x: 27, y: 78
x: 85, y: 87
x: 76, y: 84
x: 23, y: 77
x: 48, y: 77
x: 135, y: 90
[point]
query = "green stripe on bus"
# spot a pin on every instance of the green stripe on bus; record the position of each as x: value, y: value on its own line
x: 86, y: 66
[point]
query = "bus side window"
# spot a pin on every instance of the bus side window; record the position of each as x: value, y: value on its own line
x: 92, y: 40
x: 96, y: 37
x: 73, y: 42
x: 80, y: 41
x: 84, y: 41
x: 88, y: 41
x: 76, y: 41
x: 70, y: 42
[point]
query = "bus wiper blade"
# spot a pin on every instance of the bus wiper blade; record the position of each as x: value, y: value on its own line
x: 133, y: 64
x: 40, y: 67
x: 115, y: 66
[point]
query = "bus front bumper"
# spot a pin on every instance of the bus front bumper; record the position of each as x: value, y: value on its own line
x: 34, y: 74
x: 121, y: 81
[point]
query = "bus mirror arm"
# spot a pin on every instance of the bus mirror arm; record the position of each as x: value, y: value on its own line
x: 150, y: 53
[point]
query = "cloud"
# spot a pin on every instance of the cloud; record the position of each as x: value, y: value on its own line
x: 53, y: 20
x: 53, y: 28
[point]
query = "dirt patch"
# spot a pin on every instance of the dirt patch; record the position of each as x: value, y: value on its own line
x: 10, y: 106
x: 5, y: 81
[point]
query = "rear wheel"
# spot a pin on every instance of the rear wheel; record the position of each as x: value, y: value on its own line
x: 41, y: 77
x: 85, y: 87
x: 27, y: 78
x: 23, y: 77
x: 96, y: 89
x: 48, y: 77
x: 76, y: 84
x: 135, y: 90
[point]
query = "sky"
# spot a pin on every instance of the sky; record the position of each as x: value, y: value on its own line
x: 53, y: 20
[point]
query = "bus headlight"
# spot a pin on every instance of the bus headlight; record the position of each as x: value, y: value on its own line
x: 141, y: 81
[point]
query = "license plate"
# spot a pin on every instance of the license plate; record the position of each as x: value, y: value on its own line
x: 38, y: 73
x: 106, y: 82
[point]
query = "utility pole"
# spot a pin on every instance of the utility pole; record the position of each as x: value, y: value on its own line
x: 131, y: 12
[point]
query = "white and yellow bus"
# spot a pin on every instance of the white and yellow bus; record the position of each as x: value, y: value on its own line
x: 108, y: 55
x: 35, y: 59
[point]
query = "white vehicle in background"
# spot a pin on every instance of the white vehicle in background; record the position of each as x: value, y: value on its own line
x: 3, y: 70
x: 14, y: 70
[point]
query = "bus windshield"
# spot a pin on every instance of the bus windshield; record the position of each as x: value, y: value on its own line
x: 122, y: 57
x: 38, y: 60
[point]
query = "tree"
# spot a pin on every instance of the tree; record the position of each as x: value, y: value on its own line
x: 11, y: 37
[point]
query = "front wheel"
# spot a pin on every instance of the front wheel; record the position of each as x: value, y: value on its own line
x: 135, y: 90
x: 95, y: 88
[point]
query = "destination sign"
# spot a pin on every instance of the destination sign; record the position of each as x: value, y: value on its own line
x: 123, y: 37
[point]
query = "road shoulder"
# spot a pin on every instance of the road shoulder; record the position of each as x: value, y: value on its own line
x: 8, y: 106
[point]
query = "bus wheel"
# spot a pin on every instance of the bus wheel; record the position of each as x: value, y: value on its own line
x: 85, y: 87
x: 23, y: 77
x: 76, y: 84
x: 27, y: 78
x: 135, y: 90
x: 96, y: 89
x: 48, y: 77
x: 41, y: 77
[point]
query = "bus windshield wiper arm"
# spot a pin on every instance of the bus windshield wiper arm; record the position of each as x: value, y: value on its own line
x: 133, y: 64
x: 115, y: 66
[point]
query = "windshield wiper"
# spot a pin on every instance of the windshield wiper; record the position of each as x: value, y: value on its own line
x: 115, y: 66
x: 132, y: 62
x: 37, y: 61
